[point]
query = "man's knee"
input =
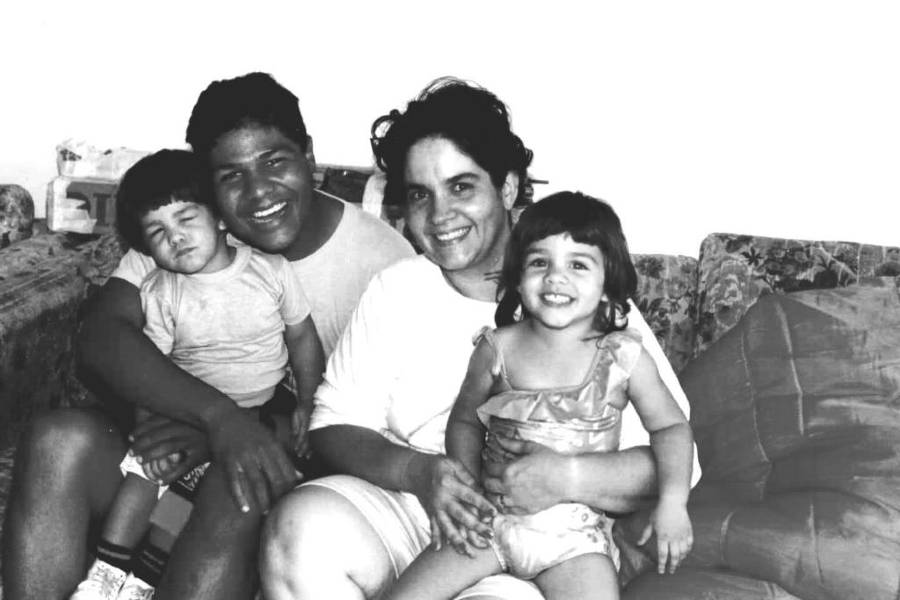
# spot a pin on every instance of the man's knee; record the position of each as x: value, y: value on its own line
x: 59, y: 438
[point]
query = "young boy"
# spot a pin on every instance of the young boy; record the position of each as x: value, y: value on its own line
x: 231, y: 316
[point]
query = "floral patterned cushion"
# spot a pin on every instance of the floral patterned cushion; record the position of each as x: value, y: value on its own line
x: 665, y: 297
x: 735, y: 270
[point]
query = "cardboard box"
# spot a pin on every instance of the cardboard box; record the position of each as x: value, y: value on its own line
x: 81, y: 205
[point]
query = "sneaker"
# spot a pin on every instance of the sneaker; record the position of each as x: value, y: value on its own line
x: 135, y: 588
x: 103, y: 582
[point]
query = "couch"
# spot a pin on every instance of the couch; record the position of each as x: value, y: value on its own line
x: 789, y: 352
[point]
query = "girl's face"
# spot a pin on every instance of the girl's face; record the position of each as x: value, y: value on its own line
x: 562, y: 282
x: 454, y: 211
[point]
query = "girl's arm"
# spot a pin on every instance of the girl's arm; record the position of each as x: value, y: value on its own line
x: 670, y: 435
x: 673, y: 447
x: 307, y: 361
x: 464, y: 439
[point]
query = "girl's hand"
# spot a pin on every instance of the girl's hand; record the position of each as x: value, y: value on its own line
x: 674, y: 536
x: 454, y: 505
x: 300, y: 428
x: 522, y: 477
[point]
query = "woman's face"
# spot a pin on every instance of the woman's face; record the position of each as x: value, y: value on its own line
x: 454, y: 211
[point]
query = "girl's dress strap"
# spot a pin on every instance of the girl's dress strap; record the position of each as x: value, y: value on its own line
x: 498, y: 368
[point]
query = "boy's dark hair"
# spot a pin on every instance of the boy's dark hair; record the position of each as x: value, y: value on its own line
x: 469, y: 116
x: 157, y: 180
x: 252, y: 99
x: 589, y: 221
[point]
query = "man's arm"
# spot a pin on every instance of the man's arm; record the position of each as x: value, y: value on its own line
x: 113, y: 348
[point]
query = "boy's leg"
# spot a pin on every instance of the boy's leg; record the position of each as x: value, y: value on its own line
x: 127, y: 521
x: 66, y: 474
x: 589, y: 576
x: 442, y: 574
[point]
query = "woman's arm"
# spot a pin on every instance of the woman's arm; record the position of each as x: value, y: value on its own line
x: 536, y: 477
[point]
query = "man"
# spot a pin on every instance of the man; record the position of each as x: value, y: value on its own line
x: 251, y: 134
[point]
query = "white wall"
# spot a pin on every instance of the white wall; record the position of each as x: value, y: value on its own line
x: 772, y: 117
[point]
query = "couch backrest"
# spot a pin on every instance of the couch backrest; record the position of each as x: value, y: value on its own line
x: 735, y: 270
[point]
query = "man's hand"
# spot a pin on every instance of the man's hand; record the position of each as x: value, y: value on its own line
x: 454, y: 505
x: 522, y: 477
x: 257, y: 467
x: 168, y: 449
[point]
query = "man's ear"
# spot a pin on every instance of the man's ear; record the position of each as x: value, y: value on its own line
x: 220, y: 225
x: 310, y: 154
x: 510, y: 190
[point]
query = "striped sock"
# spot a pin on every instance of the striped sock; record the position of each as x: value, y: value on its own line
x: 115, y: 555
x: 149, y: 563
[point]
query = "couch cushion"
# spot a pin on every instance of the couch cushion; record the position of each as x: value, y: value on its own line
x: 796, y: 412
x: 734, y: 270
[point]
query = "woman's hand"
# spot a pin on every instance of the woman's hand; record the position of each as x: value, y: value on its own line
x: 522, y: 477
x: 455, y: 507
x: 674, y: 535
x: 168, y: 449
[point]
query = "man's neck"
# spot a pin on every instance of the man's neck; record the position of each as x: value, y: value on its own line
x: 318, y: 226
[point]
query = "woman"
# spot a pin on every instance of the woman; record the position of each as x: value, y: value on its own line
x: 381, y: 413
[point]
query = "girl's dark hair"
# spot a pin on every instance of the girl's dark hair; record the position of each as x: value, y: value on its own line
x: 471, y: 117
x: 157, y: 180
x: 251, y: 99
x: 589, y: 221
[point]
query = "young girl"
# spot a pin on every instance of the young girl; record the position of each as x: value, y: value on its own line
x: 560, y: 376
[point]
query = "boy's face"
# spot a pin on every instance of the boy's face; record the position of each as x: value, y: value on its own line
x: 185, y: 237
x: 263, y: 186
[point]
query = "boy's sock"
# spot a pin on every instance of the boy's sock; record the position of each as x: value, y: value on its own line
x: 115, y: 555
x: 149, y: 563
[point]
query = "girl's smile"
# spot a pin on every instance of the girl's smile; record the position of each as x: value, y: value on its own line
x: 562, y: 282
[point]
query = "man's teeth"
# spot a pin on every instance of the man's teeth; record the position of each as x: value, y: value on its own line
x: 261, y: 214
x: 451, y: 235
x: 556, y: 298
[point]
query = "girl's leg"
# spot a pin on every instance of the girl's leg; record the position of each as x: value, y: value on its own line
x: 589, y: 576
x: 442, y: 574
x: 66, y: 474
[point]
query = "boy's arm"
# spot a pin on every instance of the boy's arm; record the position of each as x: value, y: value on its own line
x: 464, y: 438
x: 308, y: 364
x: 112, y: 348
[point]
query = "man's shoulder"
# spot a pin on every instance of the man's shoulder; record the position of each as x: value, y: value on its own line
x: 373, y: 230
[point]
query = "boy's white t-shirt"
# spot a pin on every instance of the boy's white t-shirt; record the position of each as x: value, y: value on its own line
x: 333, y: 277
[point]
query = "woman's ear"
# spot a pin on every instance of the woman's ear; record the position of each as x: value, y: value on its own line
x: 510, y: 190
x: 220, y: 225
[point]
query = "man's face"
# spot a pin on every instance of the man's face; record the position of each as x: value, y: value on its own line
x: 263, y: 185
